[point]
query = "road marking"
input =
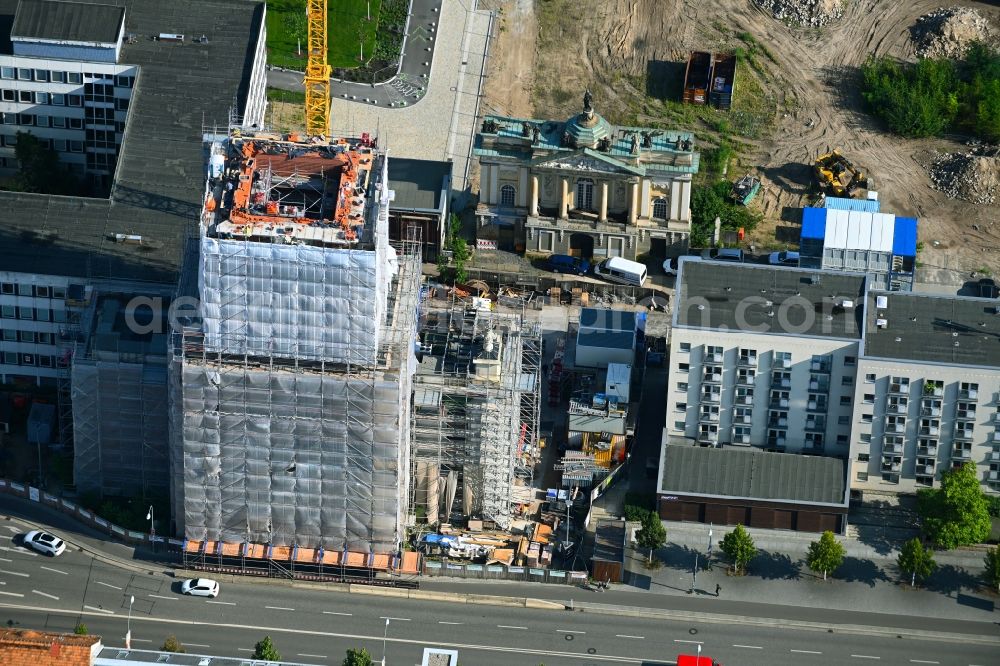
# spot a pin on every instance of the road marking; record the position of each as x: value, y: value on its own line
x: 864, y: 656
x: 15, y: 573
x: 336, y: 613
x: 279, y: 608
x: 114, y: 587
x: 681, y: 640
x: 443, y: 622
x: 22, y: 551
x: 921, y: 661
x: 314, y: 656
x: 806, y: 651
x: 13, y: 529
x: 748, y: 647
x: 397, y: 619
x: 186, y: 644
x: 100, y: 610
x: 5, y: 559
x: 244, y: 650
x: 54, y: 570
x: 157, y: 596
x: 222, y: 603
x: 46, y: 594
x: 570, y: 631
x: 142, y: 640
x: 11, y: 594
x: 507, y: 626
x: 638, y: 638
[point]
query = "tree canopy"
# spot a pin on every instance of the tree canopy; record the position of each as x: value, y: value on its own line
x: 916, y: 560
x: 956, y: 514
x: 358, y: 657
x: 739, y: 547
x: 653, y: 534
x: 992, y: 562
x: 713, y: 201
x: 825, y: 555
x: 40, y: 169
x: 264, y: 649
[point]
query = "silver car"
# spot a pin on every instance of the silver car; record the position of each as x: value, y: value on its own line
x: 44, y: 543
x: 200, y: 587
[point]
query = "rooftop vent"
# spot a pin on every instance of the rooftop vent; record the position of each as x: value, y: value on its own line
x: 881, y: 323
x: 170, y: 37
x: 847, y: 304
x: 899, y: 339
x: 881, y: 302
x: 813, y: 279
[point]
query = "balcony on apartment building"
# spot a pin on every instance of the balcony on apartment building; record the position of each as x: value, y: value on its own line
x: 744, y: 399
x: 712, y: 375
x: 899, y: 407
x: 968, y: 393
x: 892, y: 448
x: 927, y: 450
x: 824, y: 366
x: 708, y: 417
x: 816, y: 406
x: 779, y: 382
x: 968, y: 414
x: 748, y: 361
x: 711, y: 397
x: 961, y: 451
x: 899, y: 388
x: 776, y: 442
x: 931, y: 408
x: 819, y: 383
x: 777, y: 422
x: 708, y: 437
x: 746, y: 378
x: 814, y: 425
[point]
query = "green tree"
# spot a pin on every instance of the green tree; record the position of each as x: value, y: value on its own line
x: 914, y: 100
x: 81, y: 629
x: 40, y: 169
x: 171, y: 644
x: 739, y: 547
x: 825, y: 555
x: 264, y: 649
x: 916, y: 560
x: 358, y: 658
x: 992, y: 562
x: 713, y: 201
x: 652, y: 534
x: 956, y: 514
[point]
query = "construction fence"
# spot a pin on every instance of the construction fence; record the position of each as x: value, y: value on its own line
x: 502, y: 572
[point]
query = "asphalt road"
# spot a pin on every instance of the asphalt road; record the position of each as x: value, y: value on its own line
x: 317, y: 626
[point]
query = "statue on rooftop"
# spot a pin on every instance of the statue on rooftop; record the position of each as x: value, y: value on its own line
x: 588, y: 101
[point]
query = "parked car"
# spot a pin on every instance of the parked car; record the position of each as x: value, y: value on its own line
x: 200, y: 587
x: 671, y: 266
x: 563, y: 263
x: 45, y: 543
x: 783, y: 258
x: 987, y: 288
x: 723, y: 254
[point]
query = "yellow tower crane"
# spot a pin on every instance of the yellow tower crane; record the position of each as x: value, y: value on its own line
x: 317, y: 71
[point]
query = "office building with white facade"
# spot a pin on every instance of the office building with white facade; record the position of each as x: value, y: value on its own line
x: 928, y: 392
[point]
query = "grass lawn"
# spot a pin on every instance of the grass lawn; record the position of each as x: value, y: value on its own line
x: 286, y: 22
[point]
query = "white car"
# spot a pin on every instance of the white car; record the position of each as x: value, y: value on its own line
x: 200, y: 587
x: 44, y: 543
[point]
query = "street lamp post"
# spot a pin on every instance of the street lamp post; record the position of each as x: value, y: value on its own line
x: 152, y: 527
x: 385, y: 633
x: 128, y: 626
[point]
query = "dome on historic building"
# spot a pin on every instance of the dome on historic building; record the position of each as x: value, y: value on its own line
x: 586, y: 129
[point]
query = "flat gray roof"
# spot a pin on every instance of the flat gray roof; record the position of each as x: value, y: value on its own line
x: 753, y: 473
x: 609, y: 541
x: 67, y: 21
x: 938, y: 329
x: 417, y: 183
x: 160, y: 177
x: 769, y: 299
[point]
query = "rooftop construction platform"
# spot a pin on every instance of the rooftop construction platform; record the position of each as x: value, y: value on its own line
x: 182, y: 87
x: 287, y: 189
x: 934, y: 329
x: 766, y: 299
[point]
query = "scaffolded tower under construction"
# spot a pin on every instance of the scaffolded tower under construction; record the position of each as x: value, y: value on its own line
x: 290, y: 390
x: 475, y: 412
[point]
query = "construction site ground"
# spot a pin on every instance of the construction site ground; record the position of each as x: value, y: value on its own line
x: 797, y: 96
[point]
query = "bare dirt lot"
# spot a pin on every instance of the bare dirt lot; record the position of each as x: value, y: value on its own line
x: 798, y: 97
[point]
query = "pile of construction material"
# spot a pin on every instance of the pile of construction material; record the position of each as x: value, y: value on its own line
x: 947, y: 32
x: 804, y: 13
x: 973, y: 176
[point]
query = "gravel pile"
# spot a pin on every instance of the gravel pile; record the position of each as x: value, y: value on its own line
x: 973, y: 176
x: 804, y: 13
x: 947, y: 32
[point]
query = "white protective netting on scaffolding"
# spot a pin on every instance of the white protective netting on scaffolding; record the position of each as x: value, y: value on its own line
x: 282, y: 457
x: 294, y: 301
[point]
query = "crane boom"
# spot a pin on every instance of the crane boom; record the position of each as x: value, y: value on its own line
x: 317, y: 71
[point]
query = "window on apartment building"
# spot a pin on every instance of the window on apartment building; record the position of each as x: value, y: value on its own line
x: 6, y: 72
x: 847, y: 380
x: 8, y: 311
x: 507, y: 195
x: 74, y: 100
x: 26, y: 336
x: 870, y: 378
x: 680, y: 406
x: 10, y: 335
x: 121, y: 104
x: 850, y: 360
x: 714, y: 352
x: 59, y: 316
x: 545, y: 241
x: 841, y: 439
x: 862, y: 476
x: 865, y: 438
x: 843, y: 420
x: 45, y: 361
x: 866, y: 418
x: 75, y: 123
x: 683, y: 367
x: 7, y: 288
x: 58, y: 99
x: 845, y: 400
x: 24, y: 96
x: 74, y: 77
x: 58, y: 77
x: 58, y: 292
x: 685, y: 347
x: 869, y: 398
x: 76, y: 146
x: 27, y: 359
x: 41, y: 98
x: 682, y: 386
x: 10, y: 358
x: 45, y: 338
x: 23, y: 74
x: 43, y: 314
x: 42, y: 75
x: 25, y: 313
x: 26, y: 119
x: 8, y: 95
x: 679, y: 425
x: 782, y: 358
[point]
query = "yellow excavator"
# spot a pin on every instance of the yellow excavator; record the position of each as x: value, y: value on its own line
x: 837, y: 176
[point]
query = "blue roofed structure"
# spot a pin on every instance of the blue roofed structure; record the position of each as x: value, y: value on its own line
x: 843, y: 238
x: 859, y: 205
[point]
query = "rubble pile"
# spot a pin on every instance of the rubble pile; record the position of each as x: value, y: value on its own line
x: 804, y: 13
x: 947, y: 32
x: 973, y: 176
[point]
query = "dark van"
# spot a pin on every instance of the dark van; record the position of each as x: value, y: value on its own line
x: 563, y: 263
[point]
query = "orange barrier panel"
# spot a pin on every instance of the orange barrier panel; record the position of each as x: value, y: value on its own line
x: 410, y: 563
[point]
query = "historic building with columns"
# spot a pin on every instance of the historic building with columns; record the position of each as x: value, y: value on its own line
x: 584, y: 187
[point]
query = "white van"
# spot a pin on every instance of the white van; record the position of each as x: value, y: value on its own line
x: 621, y: 270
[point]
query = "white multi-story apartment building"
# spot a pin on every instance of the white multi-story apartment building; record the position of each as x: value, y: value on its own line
x: 764, y: 357
x: 928, y: 391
